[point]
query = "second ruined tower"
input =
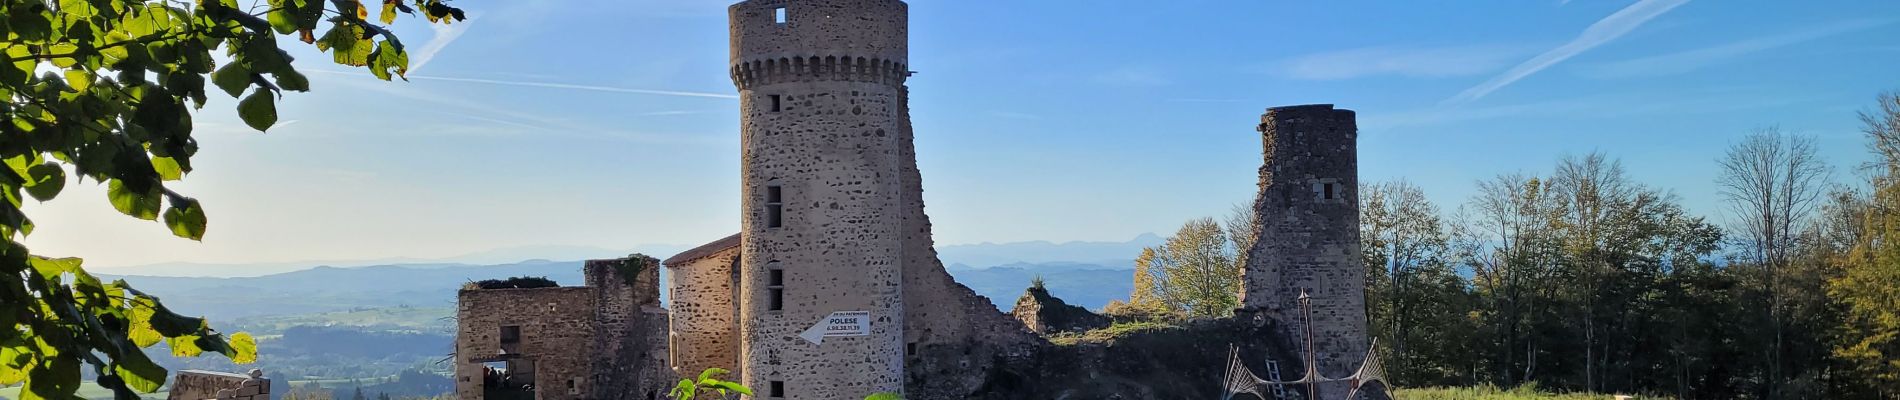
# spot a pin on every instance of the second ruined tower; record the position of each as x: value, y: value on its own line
x: 1308, y: 236
x: 823, y: 107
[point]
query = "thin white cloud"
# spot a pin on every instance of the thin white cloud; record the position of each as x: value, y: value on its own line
x: 530, y: 123
x: 444, y: 34
x: 1602, y: 106
x: 1676, y: 63
x: 552, y: 85
x: 668, y: 113
x: 596, y: 88
x: 1407, y: 61
x: 1603, y: 31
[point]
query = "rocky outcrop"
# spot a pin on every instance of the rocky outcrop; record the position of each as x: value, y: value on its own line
x: 1046, y: 314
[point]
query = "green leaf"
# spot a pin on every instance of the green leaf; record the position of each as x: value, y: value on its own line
x: 155, y: 19
x: 734, y: 387
x: 387, y: 58
x: 233, y: 78
x: 244, y: 347
x: 44, y: 181
x: 184, y: 346
x: 884, y: 396
x: 261, y: 55
x: 21, y: 69
x: 292, y: 80
x: 259, y: 110
x: 186, y: 221
x: 64, y: 48
x: 140, y: 330
x: 115, y: 52
x: 53, y: 266
x: 168, y: 323
x: 685, y: 390
x: 168, y: 168
x: 14, y: 360
x: 347, y: 45
x: 283, y: 17
x: 711, y: 373
x: 142, y: 205
x: 139, y: 372
x: 77, y: 8
x: 389, y: 12
x: 79, y: 79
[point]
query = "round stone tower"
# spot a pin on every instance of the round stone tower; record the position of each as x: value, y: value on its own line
x: 823, y: 108
x: 1308, y: 237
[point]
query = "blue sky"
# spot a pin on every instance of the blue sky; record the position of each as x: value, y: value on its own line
x: 612, y: 123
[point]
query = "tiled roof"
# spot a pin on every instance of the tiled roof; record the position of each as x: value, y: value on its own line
x: 703, y: 250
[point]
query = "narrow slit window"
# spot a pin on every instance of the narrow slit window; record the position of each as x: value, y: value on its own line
x: 774, y: 207
x: 778, y: 15
x: 776, y: 103
x: 775, y: 287
x: 777, y: 389
x: 1329, y: 191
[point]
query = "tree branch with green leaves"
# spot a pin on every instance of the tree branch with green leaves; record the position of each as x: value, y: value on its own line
x: 99, y: 89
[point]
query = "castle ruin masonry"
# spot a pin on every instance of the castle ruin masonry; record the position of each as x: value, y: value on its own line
x: 1308, y: 236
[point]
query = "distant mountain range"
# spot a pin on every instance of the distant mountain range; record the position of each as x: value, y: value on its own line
x: 963, y: 256
x: 1083, y: 273
x: 491, y: 257
x: 981, y: 255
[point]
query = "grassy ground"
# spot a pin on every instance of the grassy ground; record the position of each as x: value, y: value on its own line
x: 87, y: 390
x: 1490, y: 393
x: 1110, y: 333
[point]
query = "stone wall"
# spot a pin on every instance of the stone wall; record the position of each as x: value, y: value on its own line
x: 606, y: 340
x: 1308, y: 234
x: 202, y: 385
x: 629, y: 343
x: 957, y: 343
x: 555, y: 326
x: 820, y: 100
x: 705, y: 325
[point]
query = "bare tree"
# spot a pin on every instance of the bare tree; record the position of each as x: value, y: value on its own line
x: 1773, y: 183
x: 1242, y: 221
x: 1883, y: 130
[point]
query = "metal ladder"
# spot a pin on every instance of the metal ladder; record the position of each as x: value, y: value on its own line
x: 1273, y: 373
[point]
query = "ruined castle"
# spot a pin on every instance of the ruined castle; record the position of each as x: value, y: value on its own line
x: 832, y: 288
x: 1308, y: 235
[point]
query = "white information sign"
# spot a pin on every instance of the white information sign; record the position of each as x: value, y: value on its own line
x: 839, y: 324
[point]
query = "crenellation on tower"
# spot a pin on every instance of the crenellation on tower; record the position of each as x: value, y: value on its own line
x: 821, y: 233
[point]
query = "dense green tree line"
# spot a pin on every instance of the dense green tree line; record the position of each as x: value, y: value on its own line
x: 1583, y: 279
